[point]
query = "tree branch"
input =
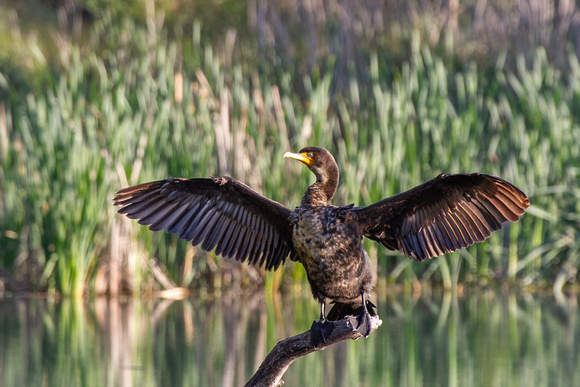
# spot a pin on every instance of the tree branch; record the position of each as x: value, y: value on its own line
x: 286, y: 351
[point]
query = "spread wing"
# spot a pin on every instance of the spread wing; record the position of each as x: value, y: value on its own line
x: 219, y: 213
x: 444, y: 214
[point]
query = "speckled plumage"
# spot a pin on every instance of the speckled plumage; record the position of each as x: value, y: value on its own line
x: 328, y: 243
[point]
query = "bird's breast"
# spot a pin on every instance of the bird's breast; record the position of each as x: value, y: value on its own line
x: 329, y: 247
x: 322, y: 231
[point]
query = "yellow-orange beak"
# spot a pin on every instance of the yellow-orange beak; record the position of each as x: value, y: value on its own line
x: 303, y: 157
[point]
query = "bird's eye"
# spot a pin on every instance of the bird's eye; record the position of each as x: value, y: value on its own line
x: 310, y: 155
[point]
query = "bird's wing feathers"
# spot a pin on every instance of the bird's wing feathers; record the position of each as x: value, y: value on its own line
x: 219, y: 213
x: 442, y: 215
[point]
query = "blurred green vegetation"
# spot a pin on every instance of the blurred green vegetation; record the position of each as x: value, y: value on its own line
x: 122, y: 100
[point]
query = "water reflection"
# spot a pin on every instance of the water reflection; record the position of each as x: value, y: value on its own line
x: 483, y: 339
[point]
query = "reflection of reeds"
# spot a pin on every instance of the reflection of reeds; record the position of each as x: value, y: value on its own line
x: 481, y: 339
x: 113, y: 119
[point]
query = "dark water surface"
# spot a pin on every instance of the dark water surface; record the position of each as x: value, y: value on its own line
x: 480, y: 339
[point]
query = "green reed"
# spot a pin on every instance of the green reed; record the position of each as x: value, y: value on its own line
x: 113, y: 116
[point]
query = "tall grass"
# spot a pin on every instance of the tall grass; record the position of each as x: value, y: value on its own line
x: 132, y: 107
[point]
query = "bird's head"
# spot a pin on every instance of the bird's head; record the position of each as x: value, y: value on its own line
x: 322, y: 164
x: 318, y: 159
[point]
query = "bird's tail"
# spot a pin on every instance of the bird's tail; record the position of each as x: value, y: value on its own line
x: 340, y: 310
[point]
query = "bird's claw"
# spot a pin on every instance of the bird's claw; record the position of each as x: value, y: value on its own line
x: 364, y: 324
x: 320, y: 331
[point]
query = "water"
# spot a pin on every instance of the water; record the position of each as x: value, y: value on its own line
x: 479, y: 339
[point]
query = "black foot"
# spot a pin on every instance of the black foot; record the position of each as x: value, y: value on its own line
x: 361, y: 323
x: 364, y: 324
x: 320, y: 331
x: 359, y: 318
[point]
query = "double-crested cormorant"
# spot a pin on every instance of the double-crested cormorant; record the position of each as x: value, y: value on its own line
x: 444, y: 214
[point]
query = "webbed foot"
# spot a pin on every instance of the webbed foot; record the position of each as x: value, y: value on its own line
x: 364, y: 323
x: 320, y: 331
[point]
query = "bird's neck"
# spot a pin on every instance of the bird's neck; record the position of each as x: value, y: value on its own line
x: 320, y: 193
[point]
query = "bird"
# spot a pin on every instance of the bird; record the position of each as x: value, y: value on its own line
x: 442, y: 215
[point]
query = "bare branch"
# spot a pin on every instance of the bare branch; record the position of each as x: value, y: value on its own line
x: 286, y: 351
